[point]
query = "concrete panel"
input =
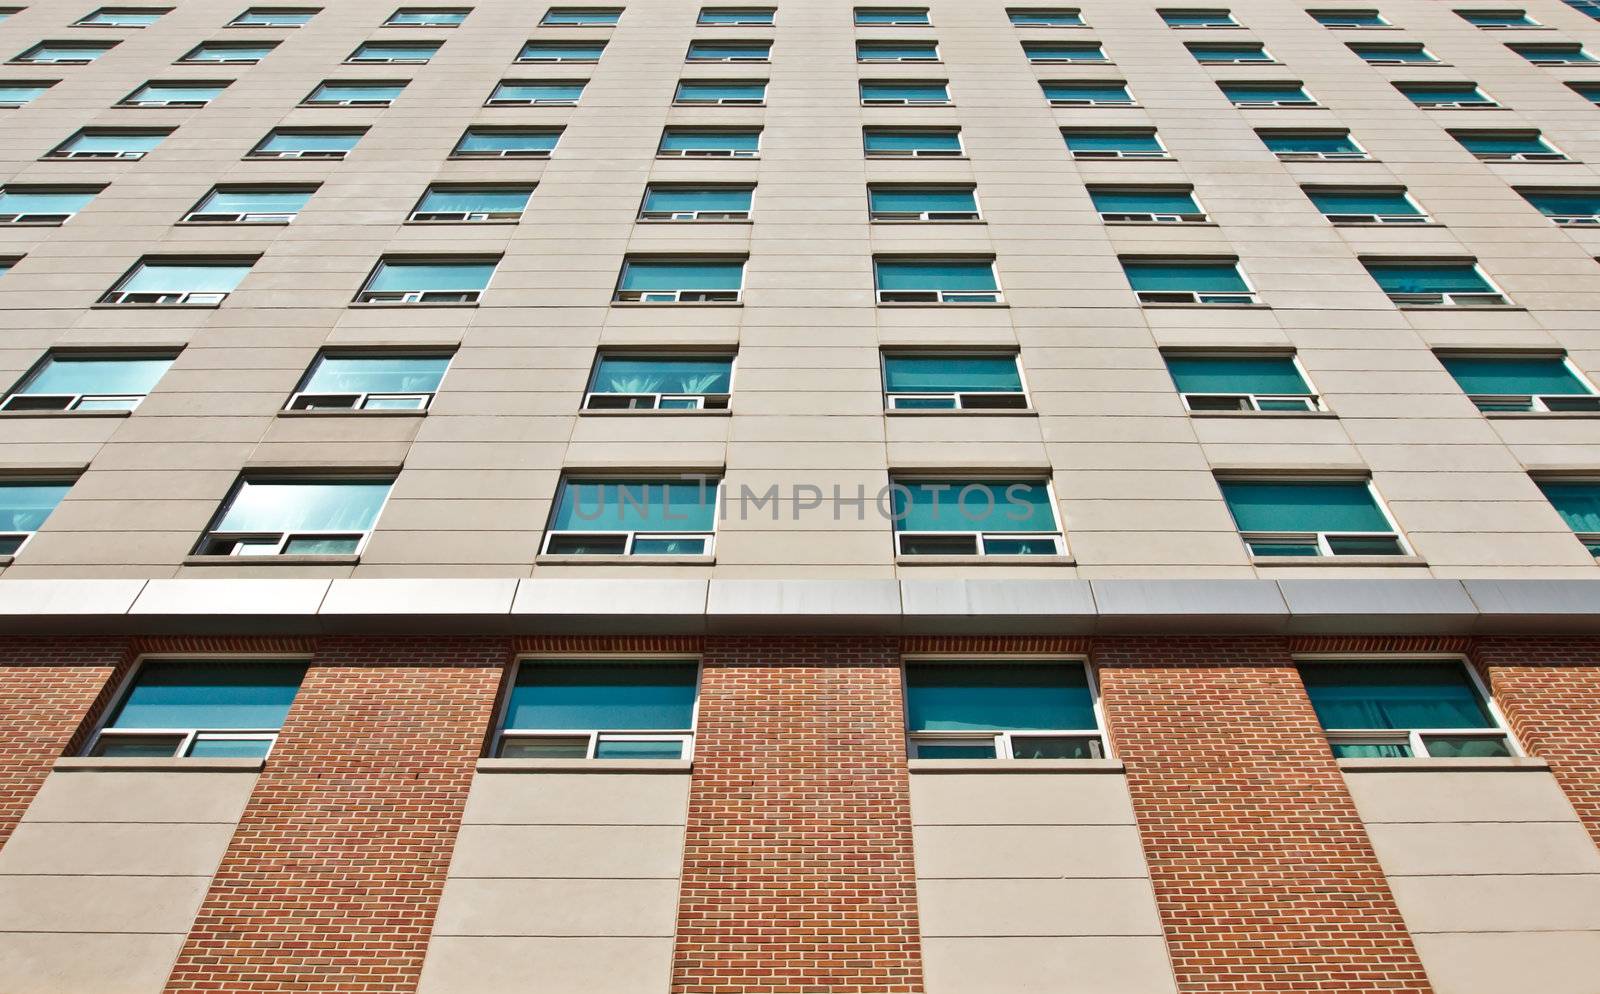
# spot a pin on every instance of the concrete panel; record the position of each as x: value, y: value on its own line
x: 1480, y: 963
x: 639, y: 851
x: 994, y: 851
x: 1516, y: 795
x: 419, y: 597
x: 559, y: 907
x: 598, y: 798
x: 1484, y: 847
x: 1430, y: 605
x: 484, y: 965
x: 1255, y: 602
x: 1065, y: 907
x: 146, y: 796
x: 1488, y: 903
x: 155, y: 905
x: 1058, y: 965
x: 75, y: 963
x: 1020, y: 799
x: 61, y: 598
x: 236, y: 597
x: 115, y: 850
x: 605, y: 598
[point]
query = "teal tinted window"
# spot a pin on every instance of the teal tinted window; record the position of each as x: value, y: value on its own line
x: 538, y: 92
x: 736, y: 15
x: 1262, y: 375
x: 1578, y: 203
x: 1230, y: 53
x: 303, y: 505
x: 912, y: 141
x: 309, y: 141
x: 24, y: 506
x: 950, y: 374
x: 577, y: 15
x: 1394, y: 695
x: 1144, y: 202
x: 109, y: 142
x: 708, y: 92
x: 973, y: 506
x: 15, y: 201
x: 583, y: 695
x: 268, y: 17
x: 375, y: 374
x: 1498, y: 19
x: 407, y: 276
x: 1501, y: 144
x: 721, y: 141
x: 535, y: 51
x: 1349, y: 18
x: 949, y: 274
x: 164, y: 277
x: 747, y: 50
x: 1388, y: 202
x: 1273, y: 506
x: 923, y: 51
x: 168, y: 92
x: 903, y: 200
x: 891, y: 15
x: 1049, y: 52
x: 1393, y: 53
x: 210, y: 694
x: 124, y: 17
x: 508, y: 141
x: 393, y: 52
x: 1425, y: 95
x: 20, y: 93
x: 1578, y: 503
x: 1041, y: 18
x: 1514, y: 375
x: 999, y: 697
x: 66, y: 374
x: 229, y: 53
x: 1199, y: 277
x: 658, y: 274
x: 686, y: 376
x: 1111, y: 141
x: 63, y: 52
x: 337, y: 92
x: 1197, y: 18
x: 1568, y: 54
x: 672, y: 198
x: 436, y: 18
x: 1262, y: 92
x: 1309, y: 143
x: 1447, y: 277
x: 1099, y: 92
x: 509, y: 201
x: 635, y: 505
x: 921, y: 92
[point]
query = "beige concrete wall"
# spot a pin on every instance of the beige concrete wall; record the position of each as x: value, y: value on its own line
x: 565, y: 883
x: 1034, y: 882
x: 102, y: 879
x: 1497, y: 879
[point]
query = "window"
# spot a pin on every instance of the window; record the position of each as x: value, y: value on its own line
x: 1366, y: 205
x: 1122, y: 143
x: 1188, y: 281
x: 293, y: 516
x: 1444, y: 96
x: 123, y: 17
x: 201, y: 709
x: 1554, y: 55
x: 471, y: 203
x: 65, y: 53
x: 691, y: 93
x: 1588, y: 8
x: 1311, y: 518
x: 1001, y: 709
x: 677, y: 280
x: 1349, y: 18
x: 274, y: 17
x: 229, y: 53
x: 419, y: 281
x: 178, y: 282
x: 1242, y: 382
x: 975, y: 518
x: 922, y: 203
x: 1328, y: 146
x: 737, y: 16
x: 1089, y: 93
x: 43, y: 204
x: 555, y: 51
x: 1146, y: 205
x: 582, y: 16
x: 1508, y: 146
x: 892, y: 16
x: 936, y: 281
x: 1435, y: 284
x: 421, y: 17
x: 1578, y: 503
x: 1261, y: 95
x: 369, y: 382
x: 690, y: 143
x: 334, y: 93
x: 6, y: 263
x: 70, y: 381
x: 1197, y: 19
x: 659, y: 383
x: 634, y: 517
x: 600, y: 709
x: 1045, y: 17
x: 885, y: 143
x: 1392, y: 709
x: 1045, y: 53
x: 15, y: 94
x: 897, y: 51
x: 1521, y: 382
x: 290, y: 144
x: 546, y: 93
x: 1394, y: 55
x: 93, y: 143
x: 1588, y: 91
x: 250, y: 205
x: 1227, y: 55
x: 667, y: 202
x: 729, y: 51
x: 158, y: 94
x: 1498, y: 19
x: 506, y: 143
x: 24, y: 506
x: 393, y: 52
x: 928, y: 381
x: 1566, y: 207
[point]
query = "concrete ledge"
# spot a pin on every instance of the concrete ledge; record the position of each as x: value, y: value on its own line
x: 167, y: 764
x: 1423, y: 764
x: 1016, y: 766
x: 584, y: 766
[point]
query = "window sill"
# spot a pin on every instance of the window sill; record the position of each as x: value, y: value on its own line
x: 675, y: 303
x: 1180, y: 225
x: 343, y: 560
x: 1207, y: 307
x: 380, y: 305
x: 1419, y: 764
x: 901, y: 560
x: 344, y: 412
x: 476, y: 224
x: 231, y: 224
x: 1386, y: 224
x: 1539, y: 415
x: 1015, y: 765
x: 941, y: 158
x: 65, y: 414
x: 154, y: 307
x: 914, y: 304
x: 1338, y: 561
x: 35, y: 224
x: 7, y: 561
x: 1450, y: 308
x: 1263, y: 414
x: 187, y: 764
x: 894, y: 221
x: 584, y: 765
x: 545, y: 559
x: 970, y: 412
x: 697, y: 223
x: 716, y: 412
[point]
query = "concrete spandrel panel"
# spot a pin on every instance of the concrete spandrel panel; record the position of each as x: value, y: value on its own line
x: 1482, y: 963
x: 1015, y: 851
x: 1443, y: 603
x: 115, y: 850
x: 100, y: 904
x: 1020, y: 799
x: 148, y: 796
x: 419, y: 597
x: 559, y: 907
x: 781, y: 599
x: 238, y: 596
x: 1484, y: 847
x: 517, y: 965
x: 599, y: 798
x: 601, y: 597
x: 1174, y: 600
x: 1580, y: 598
x: 1054, y: 965
x: 1513, y: 795
x: 75, y: 962
x: 1060, y: 600
x: 1081, y: 907
x: 633, y: 851
x: 46, y: 598
x: 1493, y: 903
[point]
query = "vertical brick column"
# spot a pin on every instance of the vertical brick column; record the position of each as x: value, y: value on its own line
x: 798, y: 871
x: 1549, y: 689
x: 49, y: 688
x: 333, y: 877
x: 1264, y: 874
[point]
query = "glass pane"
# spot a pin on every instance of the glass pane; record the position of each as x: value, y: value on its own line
x: 538, y: 91
x: 1573, y: 54
x: 1346, y: 545
x: 25, y: 506
x: 385, y: 374
x: 1507, y: 144
x: 475, y: 201
x: 621, y: 506
x: 721, y: 91
x: 575, y: 52
x: 1579, y: 203
x: 439, y: 17
x: 582, y: 694
x: 357, y: 91
x: 621, y: 374
x: 951, y: 374
x: 170, y: 278
x: 1204, y: 277
x: 1251, y: 53
x: 1270, y: 506
x: 309, y: 141
x: 230, y: 748
x: 733, y: 141
x: 669, y: 546
x: 667, y: 198
x: 947, y: 750
x: 67, y: 375
x: 730, y: 50
x: 542, y: 748
x: 1064, y: 53
x: 1578, y: 504
x: 254, y: 202
x: 969, y: 696
x: 1310, y: 143
x: 964, y: 506
x: 228, y: 53
x: 274, y: 17
x: 216, y: 694
x: 303, y: 505
x: 1384, y: 53
x: 28, y: 202
x: 500, y: 141
x: 1047, y: 18
x: 735, y: 16
x: 1343, y: 17
x: 1019, y: 547
x: 57, y: 53
x: 1399, y: 695
x: 1514, y: 375
x: 1241, y: 374
x: 1195, y: 18
x: 1465, y: 747
x: 907, y: 141
x: 893, y: 15
x: 120, y: 142
x: 1444, y: 94
x: 1086, y: 141
x: 908, y: 200
x: 645, y: 274
x: 137, y: 746
x: 1029, y: 747
x: 318, y: 546
x: 124, y: 18
x: 409, y: 276
x: 1369, y: 750
x: 12, y: 93
x: 955, y: 274
x: 904, y: 91
x: 634, y: 749
x: 581, y: 16
x: 152, y: 92
x: 394, y: 51
x: 896, y: 50
x: 1363, y: 202
x: 1259, y: 92
x: 1140, y: 202
x: 1109, y: 92
x: 1438, y: 278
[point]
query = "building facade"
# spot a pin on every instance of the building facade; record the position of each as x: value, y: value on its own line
x: 721, y: 498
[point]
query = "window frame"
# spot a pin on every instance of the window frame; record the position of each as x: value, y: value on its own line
x: 1412, y: 89
x: 97, y: 48
x: 1537, y: 403
x: 303, y: 400
x: 975, y: 216
x: 1248, y: 297
x: 696, y: 216
x: 1232, y: 22
x: 188, y: 58
x: 926, y: 22
x: 85, y: 22
x: 237, y: 23
x: 63, y: 150
x: 1361, y: 154
x: 1086, y: 45
x: 1318, y: 13
x: 1101, y: 748
x: 1590, y: 540
x: 258, y: 152
x: 595, y: 735
x: 1372, y: 57
x: 861, y: 60
x: 959, y: 481
x: 185, y: 298
x: 941, y: 298
x: 633, y: 536
x: 72, y: 402
x: 1248, y: 403
x: 1465, y: 14
x: 1045, y: 84
x: 689, y: 58
x: 770, y: 19
x: 1197, y: 48
x: 677, y: 297
x: 441, y: 297
x: 310, y: 100
x: 416, y: 215
x: 523, y: 59
x: 43, y: 85
x: 545, y: 22
x: 1148, y: 217
x: 1323, y: 540
x: 869, y: 153
x: 866, y: 101
x: 1493, y: 297
x: 1530, y: 52
x: 355, y: 58
x: 697, y: 402
x: 1420, y: 217
x: 494, y: 100
x: 541, y: 153
x: 211, y: 537
x: 33, y: 479
x: 1563, y: 220
x: 1310, y: 100
x: 129, y: 101
x: 1159, y: 154
x: 708, y: 153
x: 1037, y: 12
x: 958, y: 400
x: 761, y: 101
x: 46, y: 220
x: 390, y: 22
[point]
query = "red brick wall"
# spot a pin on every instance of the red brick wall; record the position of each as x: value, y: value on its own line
x: 798, y: 872
x: 333, y: 877
x: 1263, y: 872
x: 1549, y: 689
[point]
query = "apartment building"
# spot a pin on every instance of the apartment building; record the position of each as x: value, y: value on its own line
x: 667, y: 497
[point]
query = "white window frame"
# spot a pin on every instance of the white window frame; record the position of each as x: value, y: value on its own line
x: 1412, y: 90
x: 1099, y: 737
x: 960, y: 151
x: 629, y: 538
x: 132, y: 99
x: 1533, y: 59
x: 946, y: 101
x: 1161, y: 152
x: 523, y: 58
x: 63, y: 151
x: 902, y: 60
x: 188, y: 58
x: 1138, y: 217
x: 1246, y: 104
x: 1097, y: 47
x: 768, y: 17
x: 653, y: 401
x: 683, y: 295
x: 705, y: 216
x: 1554, y: 155
x: 980, y: 539
x: 1376, y: 59
x: 925, y: 22
x: 311, y: 400
x: 96, y: 49
x: 236, y: 544
x: 1247, y: 297
x: 85, y: 22
x: 45, y: 220
x: 433, y: 296
x: 541, y: 153
x: 689, y: 58
x: 950, y: 297
x: 311, y: 100
x: 1251, y: 402
x: 495, y: 101
x: 1492, y: 297
x: 1420, y: 217
x: 237, y: 23
x: 418, y: 216
x: 1540, y: 403
x: 390, y: 22
x: 355, y: 58
x: 25, y: 537
x: 1359, y: 155
x: 1319, y: 13
x: 707, y: 153
x: 1044, y: 86
x: 165, y: 298
x: 596, y: 736
x: 761, y: 101
x: 1232, y: 22
x: 958, y: 401
x: 1532, y: 24
x: 1012, y: 12
x: 72, y: 402
x: 1324, y: 539
x: 259, y: 152
x: 544, y: 21
x: 881, y: 217
x: 1199, y: 49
